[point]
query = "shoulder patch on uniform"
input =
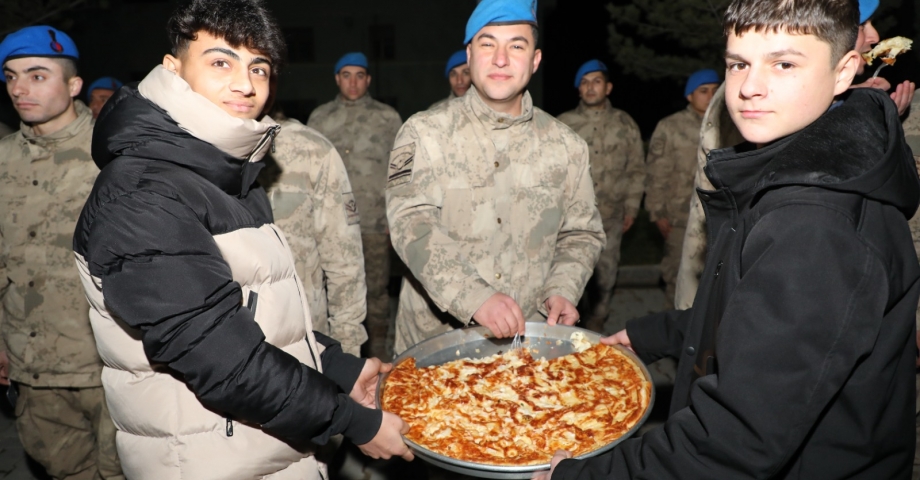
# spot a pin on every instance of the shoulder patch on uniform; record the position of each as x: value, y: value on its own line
x: 402, y: 160
x: 351, y: 209
x: 657, y: 147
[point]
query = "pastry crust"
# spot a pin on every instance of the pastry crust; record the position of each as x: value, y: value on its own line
x: 888, y: 49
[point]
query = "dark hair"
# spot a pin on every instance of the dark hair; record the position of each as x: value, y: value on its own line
x: 240, y: 22
x: 833, y: 21
x: 68, y: 67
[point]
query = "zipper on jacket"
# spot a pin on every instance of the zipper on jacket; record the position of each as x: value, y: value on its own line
x: 229, y: 427
x: 269, y: 137
x: 252, y: 302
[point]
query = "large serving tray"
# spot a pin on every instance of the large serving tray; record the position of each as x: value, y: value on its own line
x: 549, y: 341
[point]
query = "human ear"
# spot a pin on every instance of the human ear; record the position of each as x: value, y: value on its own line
x: 537, y: 58
x: 609, y: 88
x: 74, y: 85
x: 845, y: 71
x: 172, y: 63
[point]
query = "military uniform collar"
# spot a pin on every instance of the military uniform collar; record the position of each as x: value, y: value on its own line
x: 592, y: 112
x: 694, y: 112
x: 78, y: 126
x: 364, y: 101
x: 495, y: 120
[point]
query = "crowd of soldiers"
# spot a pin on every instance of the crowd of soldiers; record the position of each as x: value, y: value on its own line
x: 501, y: 213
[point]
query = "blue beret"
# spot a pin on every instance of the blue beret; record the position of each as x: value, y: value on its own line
x: 37, y: 41
x: 109, y: 83
x: 500, y: 11
x: 455, y: 60
x: 588, y: 67
x: 356, y: 59
x: 866, y: 9
x: 701, y: 77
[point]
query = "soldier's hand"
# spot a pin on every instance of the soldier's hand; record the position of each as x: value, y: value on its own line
x: 664, y: 226
x: 501, y: 315
x: 388, y: 443
x: 628, y: 222
x: 4, y: 368
x: 877, y: 83
x: 619, y: 338
x: 560, y: 310
x: 365, y: 390
x: 558, y: 457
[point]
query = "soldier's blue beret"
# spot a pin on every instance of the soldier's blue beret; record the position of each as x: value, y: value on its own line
x: 109, y: 83
x: 37, y: 41
x: 588, y: 67
x: 700, y: 77
x: 500, y: 11
x: 455, y: 60
x: 866, y: 9
x: 356, y: 59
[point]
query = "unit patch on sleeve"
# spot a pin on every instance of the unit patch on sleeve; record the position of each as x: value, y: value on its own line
x: 401, y: 162
x: 351, y: 209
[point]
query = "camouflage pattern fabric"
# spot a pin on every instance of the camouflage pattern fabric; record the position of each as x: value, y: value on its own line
x: 912, y: 135
x: 481, y: 202
x: 363, y: 131
x: 717, y: 131
x: 442, y: 102
x: 671, y: 164
x: 69, y: 432
x: 313, y: 203
x: 44, y: 322
x: 618, y: 168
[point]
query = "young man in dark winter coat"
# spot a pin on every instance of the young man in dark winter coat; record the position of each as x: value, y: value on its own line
x: 797, y: 359
x: 212, y: 369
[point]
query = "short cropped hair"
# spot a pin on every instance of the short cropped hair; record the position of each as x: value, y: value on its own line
x: 68, y: 67
x: 244, y: 23
x: 835, y: 22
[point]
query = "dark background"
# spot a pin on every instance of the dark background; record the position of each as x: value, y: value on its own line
x: 408, y: 42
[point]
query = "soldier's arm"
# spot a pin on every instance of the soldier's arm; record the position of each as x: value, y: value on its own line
x: 340, y: 252
x: 581, y: 237
x: 414, y: 202
x: 635, y: 168
x: 658, y: 164
x: 693, y: 254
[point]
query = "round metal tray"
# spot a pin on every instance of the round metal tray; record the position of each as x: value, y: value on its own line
x: 549, y: 341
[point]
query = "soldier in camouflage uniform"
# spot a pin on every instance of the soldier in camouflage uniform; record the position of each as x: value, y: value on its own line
x: 4, y: 130
x: 618, y: 168
x: 46, y: 173
x: 671, y: 166
x: 313, y: 203
x: 490, y: 199
x: 457, y: 72
x: 362, y: 130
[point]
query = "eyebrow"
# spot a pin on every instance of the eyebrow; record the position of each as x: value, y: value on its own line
x: 37, y: 68
x: 233, y: 55
x: 519, y: 38
x: 776, y: 54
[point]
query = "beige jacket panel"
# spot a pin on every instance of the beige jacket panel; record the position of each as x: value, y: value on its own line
x: 671, y: 162
x: 362, y: 131
x: 480, y: 202
x: 44, y: 181
x: 313, y: 202
x: 617, y: 158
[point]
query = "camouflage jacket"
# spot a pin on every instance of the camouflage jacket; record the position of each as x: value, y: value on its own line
x: 671, y: 166
x: 617, y: 159
x: 313, y: 203
x: 363, y: 132
x: 481, y: 202
x: 44, y: 181
x: 442, y: 102
x: 717, y: 131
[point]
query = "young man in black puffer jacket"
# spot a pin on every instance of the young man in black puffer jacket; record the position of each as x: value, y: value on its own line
x: 797, y: 359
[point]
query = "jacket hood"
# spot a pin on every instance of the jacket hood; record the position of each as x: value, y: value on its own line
x: 857, y: 147
x: 173, y: 124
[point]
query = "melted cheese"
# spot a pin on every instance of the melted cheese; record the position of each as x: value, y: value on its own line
x: 511, y: 409
x: 888, y: 49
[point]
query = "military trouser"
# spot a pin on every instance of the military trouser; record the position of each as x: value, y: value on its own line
x: 599, y: 291
x: 68, y: 431
x: 377, y: 271
x: 670, y: 264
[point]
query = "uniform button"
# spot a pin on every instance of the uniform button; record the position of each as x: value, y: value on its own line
x: 496, y: 164
x: 32, y: 234
x: 34, y: 182
x: 33, y: 334
x: 501, y: 120
x: 691, y: 350
x: 709, y: 124
x: 35, y: 376
x: 498, y: 276
x: 499, y: 221
x: 347, y: 151
x: 31, y: 284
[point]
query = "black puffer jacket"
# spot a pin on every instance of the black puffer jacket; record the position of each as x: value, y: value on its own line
x: 153, y: 241
x: 797, y: 359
